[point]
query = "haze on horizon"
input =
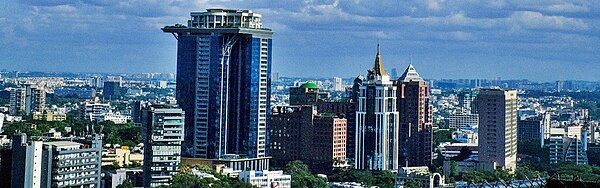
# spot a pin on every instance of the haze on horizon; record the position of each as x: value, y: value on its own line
x: 511, y: 39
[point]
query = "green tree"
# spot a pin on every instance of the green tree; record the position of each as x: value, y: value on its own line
x: 126, y: 184
x: 302, y: 177
x: 413, y: 184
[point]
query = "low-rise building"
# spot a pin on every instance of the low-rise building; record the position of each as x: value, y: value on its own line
x: 420, y: 174
x: 49, y: 115
x: 122, y: 156
x: 266, y: 179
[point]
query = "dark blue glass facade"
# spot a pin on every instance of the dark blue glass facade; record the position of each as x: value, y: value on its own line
x: 246, y: 83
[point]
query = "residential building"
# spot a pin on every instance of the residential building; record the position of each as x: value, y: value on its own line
x: 498, y: 128
x: 94, y: 110
x: 122, y: 156
x: 567, y: 149
x: 376, y: 145
x: 266, y: 179
x: 224, y: 84
x: 49, y: 115
x: 416, y: 120
x: 420, y: 174
x: 466, y: 100
x: 162, y: 126
x: 343, y: 108
x: 461, y: 121
x: 27, y: 99
x: 300, y: 133
x: 55, y: 163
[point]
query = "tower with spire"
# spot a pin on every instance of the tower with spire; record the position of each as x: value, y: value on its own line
x: 376, y: 141
x: 416, y: 119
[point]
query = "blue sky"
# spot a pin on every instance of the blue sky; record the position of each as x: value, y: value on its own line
x: 511, y: 39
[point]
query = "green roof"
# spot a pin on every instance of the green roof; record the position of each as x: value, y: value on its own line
x: 309, y: 85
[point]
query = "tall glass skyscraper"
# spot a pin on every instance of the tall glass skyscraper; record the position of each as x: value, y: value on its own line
x: 223, y: 83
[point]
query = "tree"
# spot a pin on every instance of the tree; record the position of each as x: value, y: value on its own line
x: 301, y: 176
x: 413, y: 184
x: 126, y: 184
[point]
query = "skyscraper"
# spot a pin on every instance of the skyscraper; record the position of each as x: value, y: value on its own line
x: 416, y: 119
x: 223, y: 83
x: 377, y: 121
x: 162, y: 125
x: 497, y: 128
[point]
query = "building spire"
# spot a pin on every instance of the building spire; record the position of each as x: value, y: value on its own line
x: 378, y: 67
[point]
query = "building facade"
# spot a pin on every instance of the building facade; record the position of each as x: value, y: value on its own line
x: 498, y: 128
x: 531, y: 129
x: 416, y: 119
x: 162, y: 125
x: 307, y: 94
x: 56, y: 163
x: 462, y: 121
x: 27, y: 99
x: 223, y: 83
x: 300, y: 133
x: 376, y: 145
x: 266, y: 179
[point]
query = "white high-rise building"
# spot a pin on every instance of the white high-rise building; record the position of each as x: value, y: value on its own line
x: 498, y: 128
x: 377, y: 121
x: 338, y: 84
x: 163, y: 135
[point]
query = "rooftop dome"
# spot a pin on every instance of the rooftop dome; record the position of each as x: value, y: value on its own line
x: 309, y: 85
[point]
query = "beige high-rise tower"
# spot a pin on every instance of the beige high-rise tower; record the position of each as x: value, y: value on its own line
x: 497, y: 128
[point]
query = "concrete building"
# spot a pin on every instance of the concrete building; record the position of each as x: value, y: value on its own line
x: 266, y: 179
x: 94, y: 110
x: 531, y: 128
x: 376, y: 145
x: 300, y: 133
x: 338, y: 84
x: 343, y: 108
x: 121, y: 156
x: 114, y: 178
x: 461, y: 121
x: 162, y: 126
x: 420, y: 174
x: 49, y: 115
x: 498, y: 128
x: 224, y: 83
x: 27, y: 99
x: 567, y: 149
x: 466, y: 100
x: 56, y: 163
x: 416, y: 120
x: 307, y: 94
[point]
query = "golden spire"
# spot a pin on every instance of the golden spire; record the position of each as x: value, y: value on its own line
x: 378, y: 67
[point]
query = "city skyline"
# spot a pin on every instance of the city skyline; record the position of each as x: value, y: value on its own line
x: 551, y: 40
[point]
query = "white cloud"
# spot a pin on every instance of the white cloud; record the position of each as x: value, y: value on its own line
x: 566, y: 8
x: 536, y: 20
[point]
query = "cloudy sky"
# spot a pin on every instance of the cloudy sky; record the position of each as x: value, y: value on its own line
x: 512, y: 39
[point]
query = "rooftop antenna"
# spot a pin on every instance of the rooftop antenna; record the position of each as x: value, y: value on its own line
x: 411, y: 59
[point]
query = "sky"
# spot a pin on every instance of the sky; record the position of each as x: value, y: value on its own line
x: 542, y: 40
